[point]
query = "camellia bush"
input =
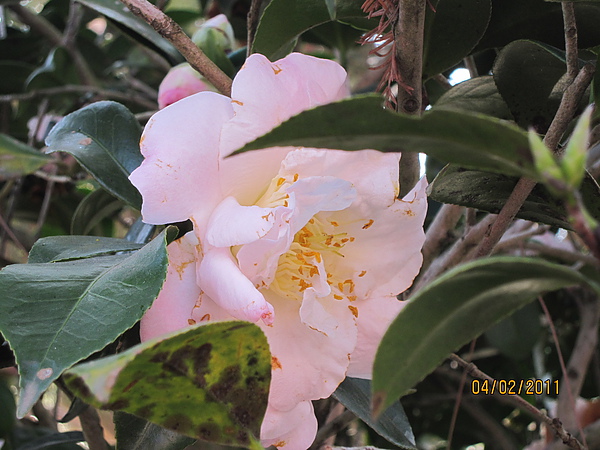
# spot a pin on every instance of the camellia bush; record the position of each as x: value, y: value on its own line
x: 299, y: 224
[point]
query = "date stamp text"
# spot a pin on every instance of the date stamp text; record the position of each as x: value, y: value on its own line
x: 514, y: 387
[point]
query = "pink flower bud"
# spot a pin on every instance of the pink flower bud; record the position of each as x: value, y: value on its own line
x: 181, y: 81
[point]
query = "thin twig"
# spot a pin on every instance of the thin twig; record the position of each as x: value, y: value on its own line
x: 518, y: 239
x: 74, y: 89
x: 332, y: 428
x: 92, y: 429
x: 575, y: 371
x: 440, y: 232
x: 252, y: 23
x: 8, y: 231
x: 555, y: 424
x: 457, y: 253
x: 570, y: 28
x: 46, y: 29
x: 171, y: 31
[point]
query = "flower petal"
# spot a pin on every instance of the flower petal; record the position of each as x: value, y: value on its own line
x: 307, y: 364
x: 374, y: 318
x: 172, y: 309
x: 290, y: 430
x: 222, y: 280
x: 277, y: 91
x: 179, y: 175
x: 233, y: 224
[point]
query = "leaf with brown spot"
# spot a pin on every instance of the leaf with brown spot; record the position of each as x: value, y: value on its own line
x: 210, y: 382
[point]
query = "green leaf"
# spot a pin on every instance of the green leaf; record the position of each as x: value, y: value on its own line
x: 478, y: 95
x: 525, y: 73
x: 95, y: 207
x: 489, y: 192
x: 574, y: 156
x: 538, y: 20
x: 7, y: 411
x: 104, y: 138
x: 210, y: 382
x: 452, y: 31
x: 454, y: 309
x: 117, y: 11
x: 284, y: 20
x: 55, y: 314
x: 471, y: 140
x: 355, y: 394
x: 68, y: 248
x: 17, y: 159
x: 135, y: 433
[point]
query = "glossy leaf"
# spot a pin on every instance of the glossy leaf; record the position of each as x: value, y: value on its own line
x: 67, y: 248
x: 471, y: 140
x: 117, y: 11
x: 454, y: 309
x: 525, y: 73
x: 476, y: 95
x: 210, y: 382
x: 135, y: 433
x: 95, y: 207
x: 452, y: 29
x: 104, y: 138
x: 284, y: 20
x: 538, y: 20
x: 489, y: 192
x: 17, y: 159
x: 55, y: 314
x: 355, y: 394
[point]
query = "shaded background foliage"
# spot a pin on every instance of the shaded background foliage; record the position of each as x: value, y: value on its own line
x: 59, y: 56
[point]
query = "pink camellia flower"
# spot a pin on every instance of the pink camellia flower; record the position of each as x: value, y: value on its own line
x: 180, y: 82
x: 312, y: 245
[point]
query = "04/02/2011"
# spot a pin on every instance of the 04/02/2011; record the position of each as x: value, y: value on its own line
x: 514, y: 387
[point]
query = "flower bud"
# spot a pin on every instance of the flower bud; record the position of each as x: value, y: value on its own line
x: 216, y: 32
x: 181, y: 81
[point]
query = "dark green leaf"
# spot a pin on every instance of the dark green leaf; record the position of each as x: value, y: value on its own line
x: 454, y: 309
x: 17, y: 159
x: 476, y: 95
x: 65, y: 248
x: 117, y: 11
x: 489, y: 192
x: 54, y: 439
x: 474, y: 141
x: 516, y: 335
x: 135, y: 433
x: 284, y: 20
x: 538, y: 20
x: 355, y: 394
x: 452, y: 31
x: 210, y: 382
x: 525, y: 73
x: 56, y: 314
x: 104, y: 138
x: 7, y: 411
x: 95, y: 207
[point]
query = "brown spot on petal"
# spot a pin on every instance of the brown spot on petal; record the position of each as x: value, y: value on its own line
x: 238, y: 102
x: 191, y: 322
x: 409, y: 212
x: 276, y: 69
x: 280, y: 444
x: 275, y: 364
x: 205, y: 317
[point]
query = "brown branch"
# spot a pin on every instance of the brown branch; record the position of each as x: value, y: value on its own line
x: 583, y: 351
x: 457, y: 253
x: 46, y: 29
x: 439, y: 232
x: 67, y: 89
x: 253, y: 17
x: 555, y: 424
x: 570, y: 28
x: 408, y: 38
x: 566, y: 111
x: 92, y: 429
x: 171, y: 31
